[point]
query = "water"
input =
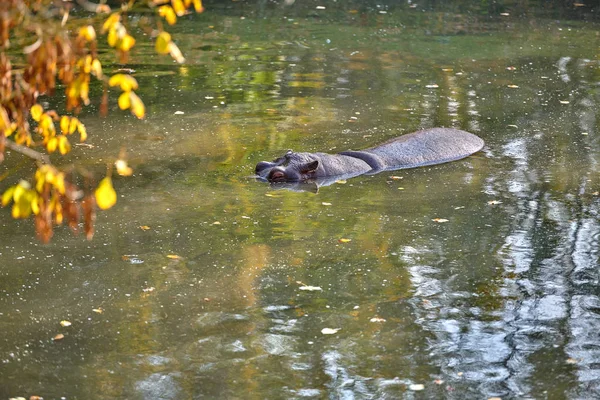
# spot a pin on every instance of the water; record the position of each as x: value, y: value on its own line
x: 191, y: 286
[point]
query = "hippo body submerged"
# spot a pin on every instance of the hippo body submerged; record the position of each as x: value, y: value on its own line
x: 422, y: 148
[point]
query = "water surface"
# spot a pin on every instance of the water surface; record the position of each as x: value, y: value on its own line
x: 501, y: 300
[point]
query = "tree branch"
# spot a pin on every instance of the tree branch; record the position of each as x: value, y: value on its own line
x: 26, y: 151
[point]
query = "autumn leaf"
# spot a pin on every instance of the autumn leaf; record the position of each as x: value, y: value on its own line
x: 162, y: 43
x: 58, y: 337
x: 65, y: 323
x: 329, y: 331
x: 440, y: 220
x: 344, y: 240
x: 105, y: 194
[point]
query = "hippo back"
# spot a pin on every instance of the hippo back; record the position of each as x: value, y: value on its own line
x: 427, y: 147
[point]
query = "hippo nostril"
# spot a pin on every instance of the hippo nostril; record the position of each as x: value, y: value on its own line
x: 277, y: 176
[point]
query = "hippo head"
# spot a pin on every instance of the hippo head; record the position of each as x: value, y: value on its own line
x: 292, y: 167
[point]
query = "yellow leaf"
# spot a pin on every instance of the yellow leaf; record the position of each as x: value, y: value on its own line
x: 173, y: 256
x: 113, y: 37
x: 65, y: 323
x: 87, y: 32
x: 344, y: 240
x: 127, y: 43
x: 198, y: 6
x: 98, y: 310
x: 63, y: 145
x: 126, y: 82
x: 110, y: 22
x: 82, y: 132
x: 106, y: 197
x: 176, y: 53
x: 178, y: 7
x: 168, y: 14
x: 52, y: 144
x: 36, y: 112
x: 144, y: 227
x: 124, y: 101
x: 162, y: 43
x: 73, y: 125
x: 97, y: 68
x: 122, y: 168
x: 137, y: 106
x: 7, y: 196
x: 58, y: 337
x: 64, y: 124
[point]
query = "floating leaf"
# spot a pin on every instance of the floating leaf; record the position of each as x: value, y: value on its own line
x: 396, y: 178
x: 513, y: 86
x: 173, y: 256
x: 310, y: 288
x: 122, y: 168
x: 326, y: 204
x: 58, y: 337
x: 105, y: 194
x: 65, y: 323
x: 329, y: 331
x: 98, y: 310
x: 344, y: 240
x: 434, y: 86
x: 377, y: 319
x: 145, y: 227
x: 439, y: 220
x: 494, y: 202
x: 416, y: 387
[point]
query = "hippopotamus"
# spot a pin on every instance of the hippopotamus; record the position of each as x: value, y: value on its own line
x: 418, y: 149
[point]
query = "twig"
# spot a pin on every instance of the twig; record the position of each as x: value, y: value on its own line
x: 26, y: 151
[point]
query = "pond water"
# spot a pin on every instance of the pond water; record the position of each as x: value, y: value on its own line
x: 195, y: 283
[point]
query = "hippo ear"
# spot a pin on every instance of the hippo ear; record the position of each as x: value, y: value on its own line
x: 309, y: 167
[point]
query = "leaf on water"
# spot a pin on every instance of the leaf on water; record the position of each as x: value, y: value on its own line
x: 179, y: 113
x: 513, y: 126
x: 216, y: 223
x: 326, y: 204
x: 65, y: 323
x: 58, y: 337
x: 440, y: 220
x: 145, y: 227
x: 564, y: 101
x: 513, y: 86
x: 310, y: 288
x: 571, y: 361
x: 434, y: 86
x: 377, y: 319
x: 173, y: 256
x: 494, y: 202
x: 122, y: 168
x: 416, y: 387
x: 329, y: 331
x: 340, y: 181
x: 344, y: 240
x: 396, y: 177
x: 401, y: 188
x: 105, y: 194
x: 98, y: 310
x: 150, y: 289
x: 511, y: 68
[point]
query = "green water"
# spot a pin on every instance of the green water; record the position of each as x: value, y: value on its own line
x: 499, y: 301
